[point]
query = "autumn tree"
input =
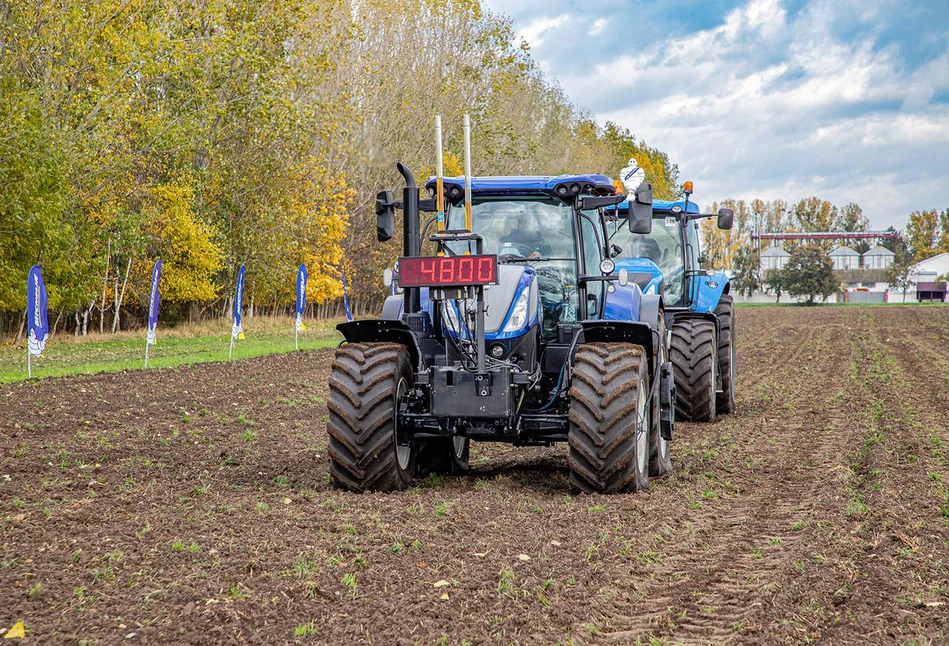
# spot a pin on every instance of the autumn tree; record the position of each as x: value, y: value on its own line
x: 922, y: 234
x: 809, y: 274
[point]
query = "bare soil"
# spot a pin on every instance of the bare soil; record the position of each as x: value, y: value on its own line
x: 193, y: 506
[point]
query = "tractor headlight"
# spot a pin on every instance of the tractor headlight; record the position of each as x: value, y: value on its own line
x: 518, y: 318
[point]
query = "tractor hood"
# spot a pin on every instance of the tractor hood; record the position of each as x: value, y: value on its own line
x: 643, y: 272
x: 510, y: 306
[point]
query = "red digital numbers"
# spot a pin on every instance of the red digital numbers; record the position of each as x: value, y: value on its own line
x: 448, y: 271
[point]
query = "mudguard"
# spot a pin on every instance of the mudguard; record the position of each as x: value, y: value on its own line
x: 649, y: 310
x: 707, y: 291
x: 380, y: 331
x: 394, y: 305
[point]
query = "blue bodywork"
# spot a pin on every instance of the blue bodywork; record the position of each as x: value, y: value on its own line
x: 643, y: 266
x: 503, y: 185
x: 705, y: 297
x: 705, y: 290
x: 624, y: 303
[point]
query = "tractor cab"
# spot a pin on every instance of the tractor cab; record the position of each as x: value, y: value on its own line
x: 548, y: 245
x: 698, y: 306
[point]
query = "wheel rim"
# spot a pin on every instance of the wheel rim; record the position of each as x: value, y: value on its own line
x: 403, y: 445
x: 458, y: 444
x: 642, y: 430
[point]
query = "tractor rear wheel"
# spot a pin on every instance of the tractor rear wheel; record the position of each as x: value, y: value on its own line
x: 444, y: 455
x: 694, y: 355
x: 609, y: 419
x: 367, y: 452
x: 726, y: 354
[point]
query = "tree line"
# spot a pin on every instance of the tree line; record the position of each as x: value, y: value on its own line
x: 215, y: 133
x: 809, y: 272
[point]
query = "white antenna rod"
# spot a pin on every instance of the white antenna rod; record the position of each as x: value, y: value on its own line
x: 467, y: 128
x: 439, y: 173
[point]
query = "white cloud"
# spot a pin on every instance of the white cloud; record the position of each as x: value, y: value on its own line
x: 774, y: 106
x: 534, y: 31
x: 597, y: 27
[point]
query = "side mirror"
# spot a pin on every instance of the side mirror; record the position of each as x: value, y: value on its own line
x: 640, y: 210
x: 385, y: 216
x: 726, y: 218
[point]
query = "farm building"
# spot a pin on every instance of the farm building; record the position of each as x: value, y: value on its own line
x: 938, y: 265
x: 931, y: 291
x: 878, y: 258
x: 774, y: 258
x: 845, y: 258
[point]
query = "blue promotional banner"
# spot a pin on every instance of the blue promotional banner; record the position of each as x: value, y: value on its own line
x: 237, y: 331
x: 153, y: 302
x: 36, y: 301
x: 301, y: 295
x: 349, y: 314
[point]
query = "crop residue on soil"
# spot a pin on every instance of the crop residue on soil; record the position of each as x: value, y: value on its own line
x: 193, y: 506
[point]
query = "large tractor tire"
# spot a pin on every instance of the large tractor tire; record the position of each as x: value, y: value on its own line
x: 660, y: 459
x: 366, y: 450
x: 726, y: 354
x: 609, y: 419
x: 694, y: 355
x: 444, y: 455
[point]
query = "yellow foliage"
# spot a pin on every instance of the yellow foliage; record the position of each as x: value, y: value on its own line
x: 189, y: 257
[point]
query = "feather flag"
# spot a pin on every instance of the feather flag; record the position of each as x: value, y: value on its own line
x: 36, y: 300
x: 349, y: 314
x: 301, y: 296
x: 237, y: 331
x: 153, y: 302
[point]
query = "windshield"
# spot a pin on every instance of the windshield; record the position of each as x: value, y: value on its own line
x: 663, y: 246
x: 520, y: 226
x: 532, y: 230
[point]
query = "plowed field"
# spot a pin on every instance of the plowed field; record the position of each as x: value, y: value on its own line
x: 193, y: 506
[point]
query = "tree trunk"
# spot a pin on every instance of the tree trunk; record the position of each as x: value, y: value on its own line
x: 120, y: 297
x: 19, y: 335
x: 105, y: 287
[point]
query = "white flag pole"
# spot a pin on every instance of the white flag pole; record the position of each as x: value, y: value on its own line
x: 231, y: 349
x: 146, y: 352
x: 296, y: 336
x: 29, y: 362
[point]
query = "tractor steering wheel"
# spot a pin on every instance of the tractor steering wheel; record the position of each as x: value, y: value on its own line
x: 515, y: 250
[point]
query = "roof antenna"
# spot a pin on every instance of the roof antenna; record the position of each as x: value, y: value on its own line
x: 467, y: 129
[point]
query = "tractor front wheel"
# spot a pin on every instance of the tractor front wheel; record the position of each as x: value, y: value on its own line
x: 726, y: 354
x: 609, y: 419
x: 694, y: 355
x: 367, y: 452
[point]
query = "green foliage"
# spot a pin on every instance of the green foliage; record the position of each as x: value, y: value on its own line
x: 745, y: 265
x: 809, y: 273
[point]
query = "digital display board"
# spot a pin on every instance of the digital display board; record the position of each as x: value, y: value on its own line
x: 448, y: 271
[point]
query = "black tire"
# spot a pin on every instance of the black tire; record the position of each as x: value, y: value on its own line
x: 366, y: 453
x: 444, y: 455
x: 694, y: 356
x: 726, y: 354
x: 609, y: 423
x: 660, y: 459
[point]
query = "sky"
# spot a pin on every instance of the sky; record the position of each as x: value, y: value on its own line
x: 847, y: 100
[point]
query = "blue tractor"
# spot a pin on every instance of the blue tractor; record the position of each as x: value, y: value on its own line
x: 699, y: 310
x: 514, y: 327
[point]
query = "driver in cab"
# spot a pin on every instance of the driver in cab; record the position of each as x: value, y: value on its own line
x: 525, y: 237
